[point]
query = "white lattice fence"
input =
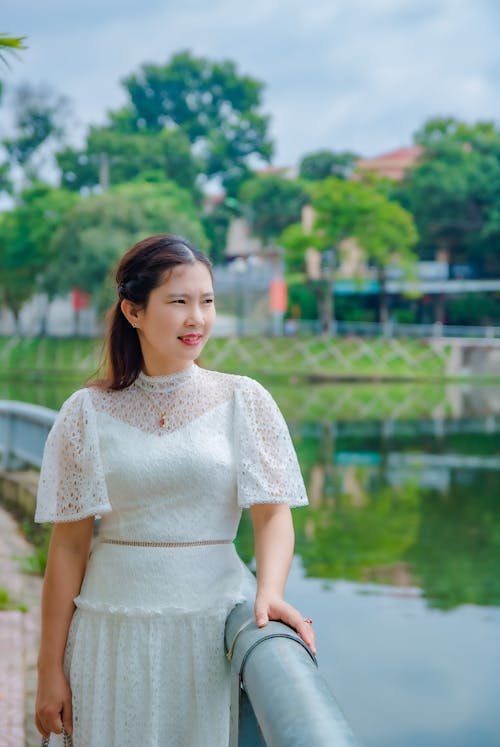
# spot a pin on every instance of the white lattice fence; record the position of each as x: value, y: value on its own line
x: 336, y: 357
x: 361, y: 402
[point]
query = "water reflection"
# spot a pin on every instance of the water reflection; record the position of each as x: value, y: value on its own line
x: 413, y: 504
x: 404, y: 509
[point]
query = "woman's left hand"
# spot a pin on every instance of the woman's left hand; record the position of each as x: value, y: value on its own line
x: 276, y: 608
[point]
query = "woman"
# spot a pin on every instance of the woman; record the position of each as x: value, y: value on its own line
x: 168, y: 453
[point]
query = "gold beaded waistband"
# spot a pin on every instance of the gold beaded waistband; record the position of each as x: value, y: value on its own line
x: 139, y: 543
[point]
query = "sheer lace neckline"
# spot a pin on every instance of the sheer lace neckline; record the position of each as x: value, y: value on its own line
x: 166, y: 382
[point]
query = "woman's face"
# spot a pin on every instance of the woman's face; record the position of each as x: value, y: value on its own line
x: 178, y: 319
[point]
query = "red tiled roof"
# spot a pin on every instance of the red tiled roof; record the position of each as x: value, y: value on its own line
x: 393, y: 164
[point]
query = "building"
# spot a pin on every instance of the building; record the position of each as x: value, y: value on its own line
x: 392, y: 165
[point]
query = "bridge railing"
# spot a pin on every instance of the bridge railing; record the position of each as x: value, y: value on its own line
x: 391, y: 329
x: 245, y: 326
x: 278, y: 697
x: 23, y: 431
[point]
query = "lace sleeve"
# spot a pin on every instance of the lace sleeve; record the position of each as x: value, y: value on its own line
x: 267, y: 467
x: 72, y: 484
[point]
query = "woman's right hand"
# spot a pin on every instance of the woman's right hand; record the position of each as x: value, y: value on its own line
x: 53, y: 703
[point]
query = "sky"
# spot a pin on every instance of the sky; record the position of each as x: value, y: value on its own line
x: 359, y: 75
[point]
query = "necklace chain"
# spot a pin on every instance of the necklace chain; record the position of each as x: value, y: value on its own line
x: 173, y: 386
x: 162, y: 421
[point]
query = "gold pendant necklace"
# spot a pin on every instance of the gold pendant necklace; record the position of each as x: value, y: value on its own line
x: 162, y: 419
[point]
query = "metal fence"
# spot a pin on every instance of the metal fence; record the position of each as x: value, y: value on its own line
x: 23, y: 432
x: 293, y: 327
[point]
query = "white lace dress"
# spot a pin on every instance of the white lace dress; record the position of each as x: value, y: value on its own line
x: 145, y: 650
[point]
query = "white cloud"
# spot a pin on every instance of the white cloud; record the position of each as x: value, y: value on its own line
x: 338, y: 73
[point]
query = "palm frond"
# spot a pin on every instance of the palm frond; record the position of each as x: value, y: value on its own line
x: 10, y: 44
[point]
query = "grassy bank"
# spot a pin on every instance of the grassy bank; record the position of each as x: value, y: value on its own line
x: 35, y: 358
x: 311, y: 358
x: 328, y: 359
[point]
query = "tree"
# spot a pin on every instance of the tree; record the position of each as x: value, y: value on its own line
x: 111, y: 158
x: 216, y: 224
x: 95, y: 233
x: 25, y: 242
x: 325, y: 163
x: 8, y: 44
x: 209, y: 103
x: 453, y: 192
x: 40, y: 119
x: 5, y: 181
x: 271, y: 203
x: 347, y: 209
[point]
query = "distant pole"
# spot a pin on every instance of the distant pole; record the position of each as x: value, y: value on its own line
x: 80, y: 300
x: 104, y: 171
x: 328, y: 259
x: 278, y: 304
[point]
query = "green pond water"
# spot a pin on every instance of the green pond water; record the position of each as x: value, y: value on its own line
x: 398, y: 556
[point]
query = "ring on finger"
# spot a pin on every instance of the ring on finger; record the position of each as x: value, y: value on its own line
x: 308, y: 620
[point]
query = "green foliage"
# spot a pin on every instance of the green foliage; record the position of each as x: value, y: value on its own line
x: 477, y: 308
x: 295, y: 242
x: 216, y: 225
x: 96, y: 232
x: 25, y: 242
x: 10, y: 44
x: 383, y: 184
x: 350, y: 209
x: 439, y: 131
x: 345, y: 209
x: 354, y: 309
x: 8, y: 603
x: 5, y: 180
x: 35, y: 564
x: 189, y: 104
x: 453, y: 192
x: 271, y: 203
x: 324, y: 163
x: 122, y: 157
x: 40, y: 119
x: 403, y: 316
x: 302, y: 303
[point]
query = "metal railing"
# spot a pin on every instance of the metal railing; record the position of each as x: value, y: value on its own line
x: 278, y: 697
x: 391, y: 329
x: 248, y: 327
x: 23, y: 432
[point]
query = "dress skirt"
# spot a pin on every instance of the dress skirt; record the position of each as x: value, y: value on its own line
x: 145, y: 652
